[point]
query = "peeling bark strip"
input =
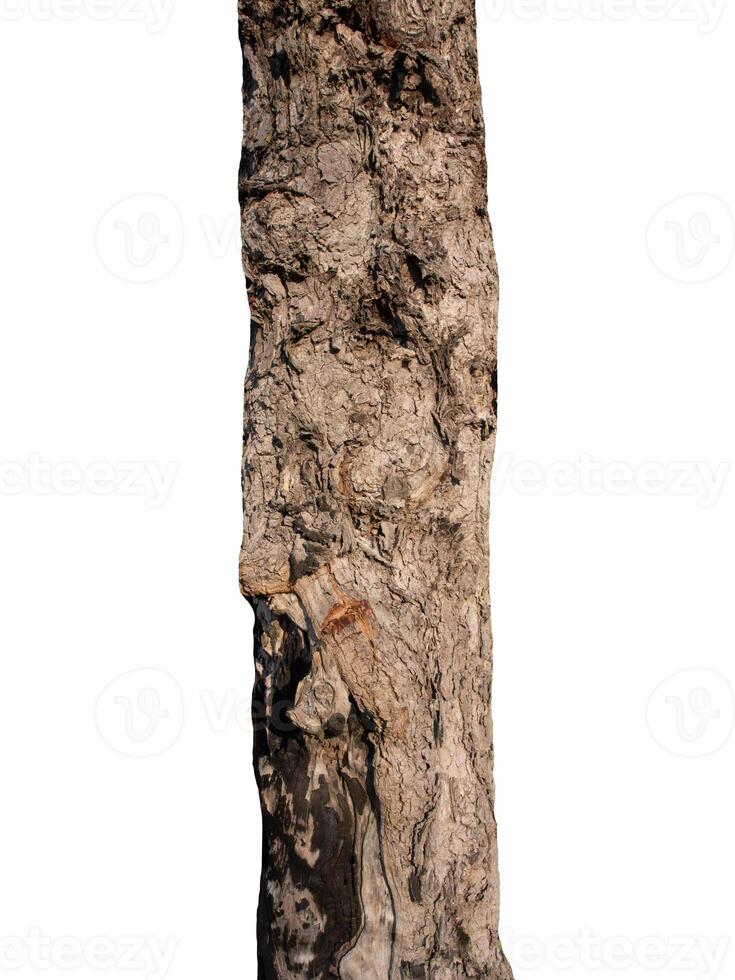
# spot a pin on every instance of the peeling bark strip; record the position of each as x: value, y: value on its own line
x: 369, y: 431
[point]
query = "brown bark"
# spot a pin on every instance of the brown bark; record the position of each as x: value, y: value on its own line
x: 369, y: 430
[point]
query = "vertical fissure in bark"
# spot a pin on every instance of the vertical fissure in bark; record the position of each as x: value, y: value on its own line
x: 369, y: 432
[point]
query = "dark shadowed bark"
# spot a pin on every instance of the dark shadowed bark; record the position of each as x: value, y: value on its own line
x: 369, y: 431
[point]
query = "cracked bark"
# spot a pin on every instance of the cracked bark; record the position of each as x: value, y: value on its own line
x: 369, y: 431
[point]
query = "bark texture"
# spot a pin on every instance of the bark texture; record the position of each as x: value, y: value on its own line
x: 369, y: 431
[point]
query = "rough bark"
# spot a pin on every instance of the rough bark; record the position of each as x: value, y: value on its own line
x: 369, y: 431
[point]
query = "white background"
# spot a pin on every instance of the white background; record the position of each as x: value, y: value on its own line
x: 613, y: 512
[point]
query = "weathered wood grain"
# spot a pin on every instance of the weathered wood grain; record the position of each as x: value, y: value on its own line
x: 369, y: 431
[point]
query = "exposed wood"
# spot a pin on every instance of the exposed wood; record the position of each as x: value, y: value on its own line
x: 369, y: 431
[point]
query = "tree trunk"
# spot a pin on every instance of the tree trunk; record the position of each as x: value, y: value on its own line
x: 369, y: 431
